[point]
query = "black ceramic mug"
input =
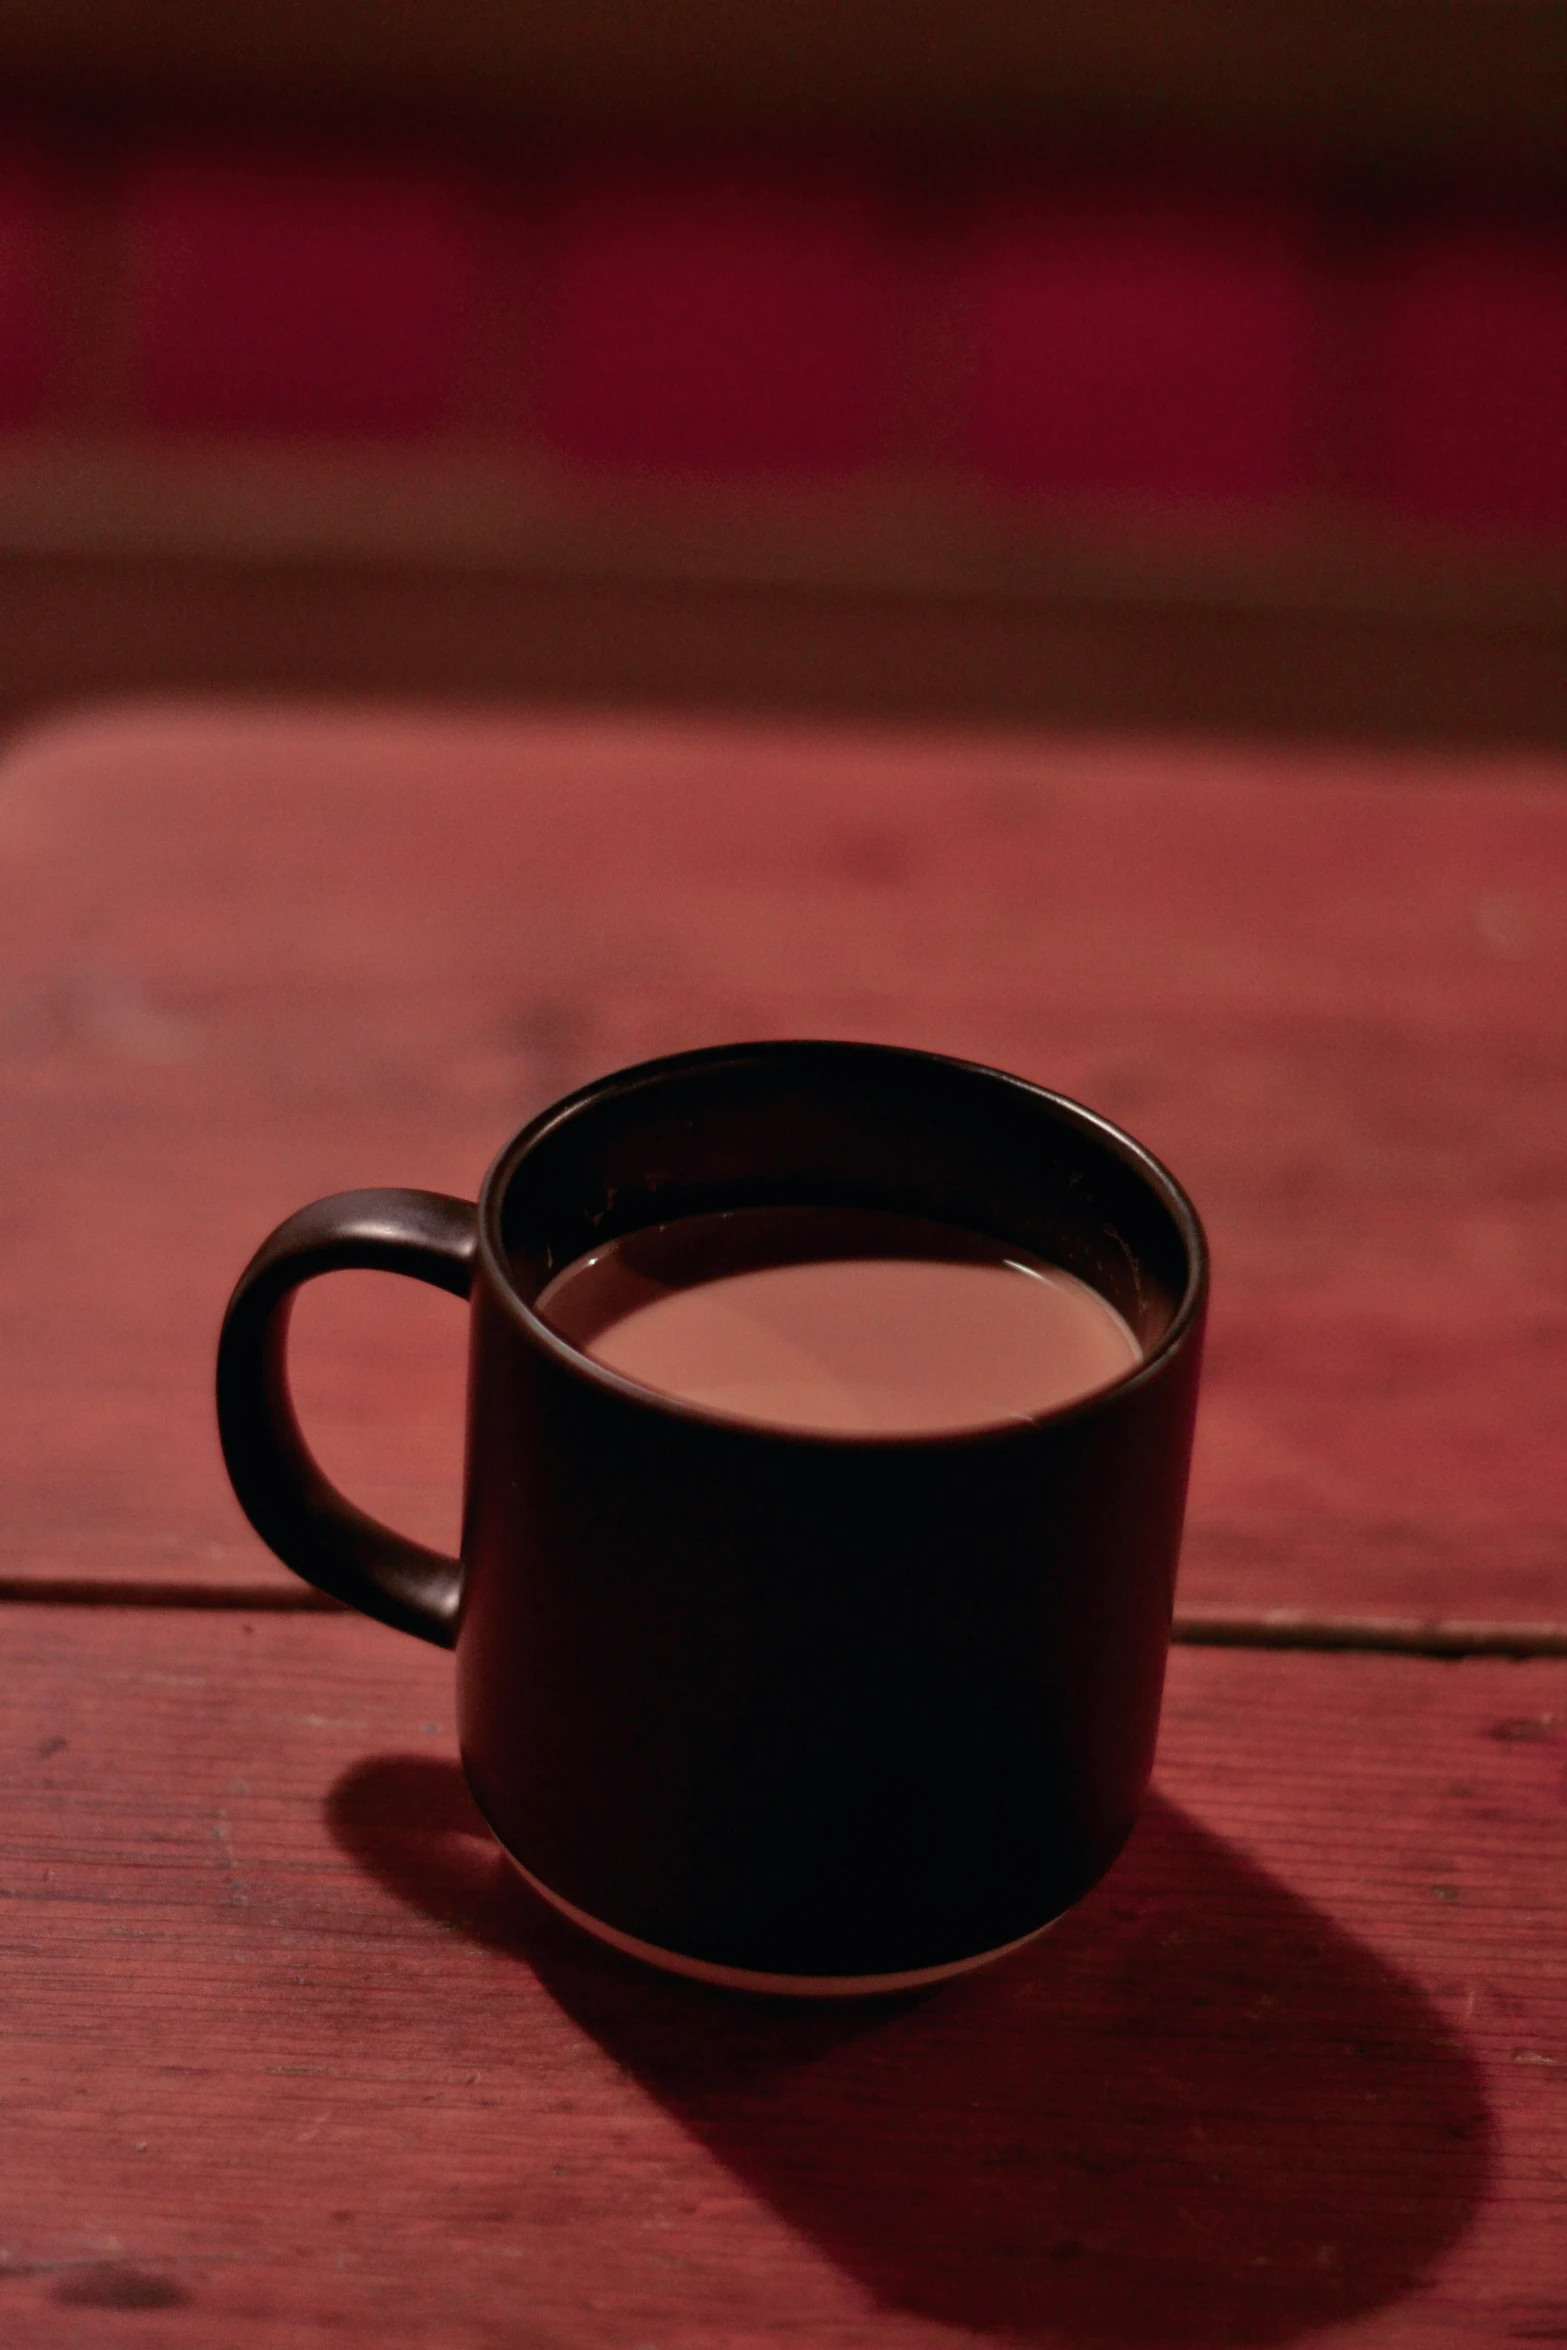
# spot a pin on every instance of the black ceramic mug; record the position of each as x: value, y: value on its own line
x: 795, y: 1711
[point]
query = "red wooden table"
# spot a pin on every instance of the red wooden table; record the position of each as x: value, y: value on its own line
x: 289, y: 2060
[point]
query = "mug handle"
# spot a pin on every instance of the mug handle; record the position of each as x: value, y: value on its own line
x: 292, y: 1505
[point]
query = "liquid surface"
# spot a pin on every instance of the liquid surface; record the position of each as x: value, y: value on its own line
x: 840, y: 1320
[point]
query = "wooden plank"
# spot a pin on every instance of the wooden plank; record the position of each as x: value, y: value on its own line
x: 291, y: 2057
x: 249, y: 957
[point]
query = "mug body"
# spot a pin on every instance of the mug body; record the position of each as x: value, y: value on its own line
x: 807, y: 1711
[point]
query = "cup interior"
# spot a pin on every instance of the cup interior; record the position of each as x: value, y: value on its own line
x: 848, y: 1126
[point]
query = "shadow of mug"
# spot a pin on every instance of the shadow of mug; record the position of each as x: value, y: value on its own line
x: 1196, y: 2112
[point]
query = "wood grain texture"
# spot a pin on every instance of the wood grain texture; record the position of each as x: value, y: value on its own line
x: 250, y: 957
x: 292, y: 2058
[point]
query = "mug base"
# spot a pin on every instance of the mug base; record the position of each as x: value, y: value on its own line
x: 734, y: 1978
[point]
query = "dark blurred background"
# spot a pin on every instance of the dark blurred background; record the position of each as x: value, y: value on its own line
x: 1145, y: 362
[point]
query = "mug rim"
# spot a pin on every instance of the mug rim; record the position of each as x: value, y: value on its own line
x: 640, y: 1075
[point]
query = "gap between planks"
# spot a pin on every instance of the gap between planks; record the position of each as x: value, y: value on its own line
x: 1194, y: 1627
